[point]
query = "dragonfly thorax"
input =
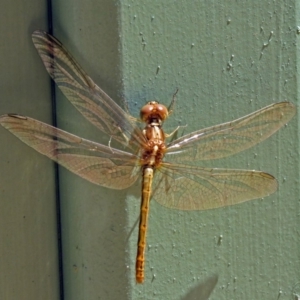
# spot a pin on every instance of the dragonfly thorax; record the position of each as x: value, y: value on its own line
x: 153, y: 154
x: 155, y: 147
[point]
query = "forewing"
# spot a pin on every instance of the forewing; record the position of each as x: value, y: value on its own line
x: 231, y: 137
x: 91, y: 101
x: 194, y: 188
x: 97, y: 163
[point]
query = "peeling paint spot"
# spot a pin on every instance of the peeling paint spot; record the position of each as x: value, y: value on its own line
x: 157, y: 70
x: 220, y: 239
x: 230, y: 63
x: 266, y: 44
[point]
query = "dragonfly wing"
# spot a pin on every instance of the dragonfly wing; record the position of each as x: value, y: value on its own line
x: 97, y: 163
x: 194, y: 188
x: 231, y: 137
x: 91, y: 101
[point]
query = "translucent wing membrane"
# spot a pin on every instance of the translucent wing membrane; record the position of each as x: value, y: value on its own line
x: 175, y: 185
x: 194, y: 188
x: 91, y: 101
x: 97, y: 163
x: 231, y: 137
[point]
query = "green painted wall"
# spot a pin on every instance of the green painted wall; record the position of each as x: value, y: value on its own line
x: 226, y: 63
x: 28, y: 241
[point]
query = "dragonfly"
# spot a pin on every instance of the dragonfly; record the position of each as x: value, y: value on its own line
x: 166, y: 169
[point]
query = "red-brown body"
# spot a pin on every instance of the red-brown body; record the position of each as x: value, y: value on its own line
x: 179, y: 182
x: 153, y: 152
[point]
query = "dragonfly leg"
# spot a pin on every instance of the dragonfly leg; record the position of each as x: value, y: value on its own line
x: 174, y: 131
x: 171, y: 106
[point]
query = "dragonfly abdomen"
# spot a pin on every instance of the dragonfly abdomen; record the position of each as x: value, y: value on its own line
x: 146, y: 194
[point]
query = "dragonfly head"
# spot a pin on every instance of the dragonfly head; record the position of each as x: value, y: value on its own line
x: 153, y: 110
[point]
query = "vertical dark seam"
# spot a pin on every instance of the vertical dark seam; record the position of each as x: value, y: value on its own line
x: 56, y: 174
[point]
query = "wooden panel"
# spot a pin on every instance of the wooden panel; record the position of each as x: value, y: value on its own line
x: 28, y: 233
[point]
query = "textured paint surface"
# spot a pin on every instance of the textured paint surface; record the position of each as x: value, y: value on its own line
x: 227, y: 60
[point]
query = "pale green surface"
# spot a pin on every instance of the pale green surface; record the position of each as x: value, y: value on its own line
x: 28, y: 239
x: 93, y: 218
x: 121, y: 47
x: 258, y: 256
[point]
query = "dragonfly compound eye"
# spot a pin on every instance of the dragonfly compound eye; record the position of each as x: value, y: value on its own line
x: 153, y: 110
